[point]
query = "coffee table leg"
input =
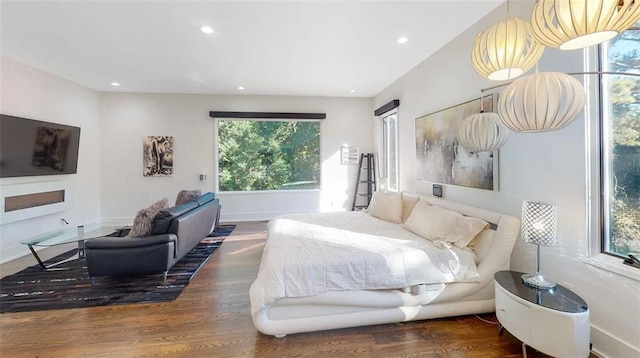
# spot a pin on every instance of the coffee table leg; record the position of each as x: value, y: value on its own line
x: 37, y: 257
x: 81, y: 249
x: 79, y: 255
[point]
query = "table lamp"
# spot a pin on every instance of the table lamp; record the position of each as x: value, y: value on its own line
x: 539, y: 225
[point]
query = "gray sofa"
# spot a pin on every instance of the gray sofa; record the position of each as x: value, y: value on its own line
x: 176, y: 231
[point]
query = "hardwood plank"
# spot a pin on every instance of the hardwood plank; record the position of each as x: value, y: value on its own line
x: 211, y: 318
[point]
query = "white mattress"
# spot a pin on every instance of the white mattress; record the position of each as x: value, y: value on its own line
x: 315, y: 253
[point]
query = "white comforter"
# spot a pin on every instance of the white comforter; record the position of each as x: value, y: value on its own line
x: 309, y: 254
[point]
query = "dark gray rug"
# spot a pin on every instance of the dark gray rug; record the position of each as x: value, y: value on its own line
x: 33, y: 289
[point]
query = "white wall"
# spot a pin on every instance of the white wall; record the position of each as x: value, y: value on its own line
x: 30, y: 93
x: 544, y: 166
x: 126, y: 118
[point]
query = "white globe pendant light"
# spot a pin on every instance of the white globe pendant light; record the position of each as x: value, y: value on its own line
x: 482, y: 132
x: 541, y: 102
x: 574, y: 24
x: 506, y: 50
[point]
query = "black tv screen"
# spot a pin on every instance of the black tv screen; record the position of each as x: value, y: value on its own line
x: 29, y: 147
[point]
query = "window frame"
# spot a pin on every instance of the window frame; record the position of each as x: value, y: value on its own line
x: 595, y: 255
x: 604, y: 143
x: 384, y: 167
x: 216, y: 154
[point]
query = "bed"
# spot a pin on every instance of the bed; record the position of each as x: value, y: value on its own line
x: 323, y: 271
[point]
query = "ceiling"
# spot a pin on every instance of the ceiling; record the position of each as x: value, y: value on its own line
x: 302, y: 48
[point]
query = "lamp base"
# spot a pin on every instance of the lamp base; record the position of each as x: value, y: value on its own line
x: 536, y: 280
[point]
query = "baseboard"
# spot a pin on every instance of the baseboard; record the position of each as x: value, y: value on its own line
x: 606, y: 345
x: 251, y: 216
x: 15, y: 253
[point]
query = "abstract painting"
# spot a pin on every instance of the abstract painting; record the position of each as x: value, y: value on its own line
x: 157, y: 156
x: 441, y: 159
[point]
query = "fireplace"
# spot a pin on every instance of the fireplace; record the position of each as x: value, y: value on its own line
x: 26, y: 201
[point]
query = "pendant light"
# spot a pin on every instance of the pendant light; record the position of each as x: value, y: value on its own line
x: 506, y: 50
x: 574, y: 24
x: 541, y: 102
x: 482, y: 132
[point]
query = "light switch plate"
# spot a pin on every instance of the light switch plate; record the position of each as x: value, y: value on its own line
x: 437, y: 190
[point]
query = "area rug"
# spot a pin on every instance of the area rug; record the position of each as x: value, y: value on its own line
x: 33, y: 289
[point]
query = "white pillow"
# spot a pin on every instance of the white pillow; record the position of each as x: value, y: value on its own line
x: 481, y: 244
x: 408, y: 202
x: 436, y: 223
x: 387, y: 206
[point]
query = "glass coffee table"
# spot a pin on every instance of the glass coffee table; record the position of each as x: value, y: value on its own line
x: 68, y: 235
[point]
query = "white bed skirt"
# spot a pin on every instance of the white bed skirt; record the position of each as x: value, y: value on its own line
x: 355, y: 317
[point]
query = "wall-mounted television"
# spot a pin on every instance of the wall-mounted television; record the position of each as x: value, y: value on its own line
x: 29, y: 147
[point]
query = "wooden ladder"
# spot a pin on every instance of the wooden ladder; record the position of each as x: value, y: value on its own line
x: 365, y: 185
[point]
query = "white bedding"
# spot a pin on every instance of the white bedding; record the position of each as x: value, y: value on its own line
x: 310, y: 254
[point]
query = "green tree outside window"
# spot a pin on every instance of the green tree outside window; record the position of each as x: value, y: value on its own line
x: 622, y: 54
x: 268, y: 155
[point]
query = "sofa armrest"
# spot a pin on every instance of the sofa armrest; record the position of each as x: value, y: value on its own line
x: 107, y: 242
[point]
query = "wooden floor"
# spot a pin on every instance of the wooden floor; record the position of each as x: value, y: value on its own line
x: 211, y: 319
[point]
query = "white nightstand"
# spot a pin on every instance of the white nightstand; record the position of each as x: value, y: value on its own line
x: 554, y: 322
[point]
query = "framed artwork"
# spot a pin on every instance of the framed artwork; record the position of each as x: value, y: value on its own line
x: 349, y: 155
x: 157, y: 156
x: 441, y: 159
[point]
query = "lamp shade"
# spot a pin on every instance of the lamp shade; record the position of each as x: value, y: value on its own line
x: 541, y: 102
x: 482, y: 132
x: 573, y: 24
x: 506, y: 50
x: 539, y: 222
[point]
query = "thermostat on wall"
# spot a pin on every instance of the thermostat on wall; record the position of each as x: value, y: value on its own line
x: 437, y: 190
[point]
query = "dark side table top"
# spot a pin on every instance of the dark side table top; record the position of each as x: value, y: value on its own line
x: 559, y: 298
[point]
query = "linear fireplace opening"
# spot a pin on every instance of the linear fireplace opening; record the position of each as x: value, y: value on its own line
x: 31, y: 200
x: 26, y: 201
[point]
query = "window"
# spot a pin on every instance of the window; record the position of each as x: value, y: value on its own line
x: 258, y: 155
x: 390, y: 151
x: 620, y: 144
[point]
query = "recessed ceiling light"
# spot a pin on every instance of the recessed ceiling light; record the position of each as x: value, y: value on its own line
x: 352, y: 91
x: 206, y: 29
x: 402, y: 39
x: 241, y: 88
x: 115, y: 84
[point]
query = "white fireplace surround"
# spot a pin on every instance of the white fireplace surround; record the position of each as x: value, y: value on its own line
x: 36, y: 211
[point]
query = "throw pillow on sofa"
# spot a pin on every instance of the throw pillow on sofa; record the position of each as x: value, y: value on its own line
x: 143, y: 222
x: 185, y: 196
x: 387, y: 206
x: 439, y: 224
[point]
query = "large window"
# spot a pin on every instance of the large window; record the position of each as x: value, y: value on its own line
x: 620, y: 143
x: 268, y: 155
x: 390, y: 151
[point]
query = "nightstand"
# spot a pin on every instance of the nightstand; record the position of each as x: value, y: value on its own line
x: 554, y: 322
